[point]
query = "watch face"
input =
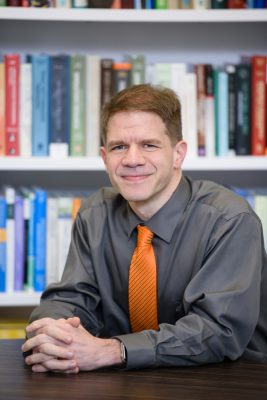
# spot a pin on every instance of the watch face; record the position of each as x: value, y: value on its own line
x: 101, y: 3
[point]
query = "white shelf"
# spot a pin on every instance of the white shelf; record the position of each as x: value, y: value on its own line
x: 19, y: 299
x: 125, y: 15
x: 233, y: 163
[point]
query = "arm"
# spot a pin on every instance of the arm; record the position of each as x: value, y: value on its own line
x: 221, y: 303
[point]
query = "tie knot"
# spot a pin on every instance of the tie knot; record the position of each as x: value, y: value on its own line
x: 145, y: 236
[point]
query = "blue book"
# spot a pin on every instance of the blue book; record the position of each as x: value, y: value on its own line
x: 221, y: 112
x: 59, y: 105
x: 3, y: 244
x: 19, y: 243
x: 40, y: 104
x: 259, y: 3
x: 40, y: 240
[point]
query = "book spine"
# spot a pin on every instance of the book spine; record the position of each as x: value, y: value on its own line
x: 223, y: 138
x: 26, y: 110
x: 231, y: 71
x: 59, y: 106
x: 107, y: 80
x: 138, y: 67
x: 173, y: 4
x: 40, y: 240
x: 78, y: 81
x: 215, y: 4
x: 161, y: 4
x: 40, y: 105
x: 3, y: 244
x: 209, y: 112
x: 26, y: 216
x: 243, y: 108
x: 190, y: 107
x: 10, y: 228
x: 19, y: 244
x: 236, y: 4
x: 31, y: 243
x: 122, y: 74
x: 128, y: 4
x: 2, y: 110
x: 93, y: 93
x: 79, y: 4
x: 52, y: 248
x: 201, y: 97
x: 12, y: 83
x: 258, y: 105
x: 64, y: 230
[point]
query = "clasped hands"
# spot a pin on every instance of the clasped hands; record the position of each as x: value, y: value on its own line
x: 63, y: 345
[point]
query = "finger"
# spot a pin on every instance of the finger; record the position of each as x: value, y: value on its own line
x: 39, y: 323
x: 41, y: 368
x: 60, y: 365
x: 36, y: 341
x: 58, y: 332
x: 48, y: 352
x: 74, y: 321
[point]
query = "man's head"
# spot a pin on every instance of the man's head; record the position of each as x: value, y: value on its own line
x: 158, y: 100
x: 143, y: 150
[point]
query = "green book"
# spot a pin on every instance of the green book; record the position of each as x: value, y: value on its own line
x: 3, y: 3
x: 161, y: 4
x: 78, y: 106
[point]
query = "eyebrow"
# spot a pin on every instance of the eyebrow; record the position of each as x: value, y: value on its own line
x: 113, y: 143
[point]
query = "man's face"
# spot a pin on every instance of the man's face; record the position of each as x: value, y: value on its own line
x: 141, y: 162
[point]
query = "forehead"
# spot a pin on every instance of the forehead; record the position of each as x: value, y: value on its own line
x: 135, y: 123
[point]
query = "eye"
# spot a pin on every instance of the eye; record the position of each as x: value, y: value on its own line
x: 150, y: 146
x: 118, y: 147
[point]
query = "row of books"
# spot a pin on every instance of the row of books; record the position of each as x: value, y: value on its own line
x: 35, y: 232
x: 139, y: 4
x: 50, y: 104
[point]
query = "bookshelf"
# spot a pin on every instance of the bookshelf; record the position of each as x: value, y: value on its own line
x: 190, y: 36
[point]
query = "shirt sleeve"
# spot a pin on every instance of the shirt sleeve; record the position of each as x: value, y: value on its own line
x: 221, y: 303
x: 77, y: 293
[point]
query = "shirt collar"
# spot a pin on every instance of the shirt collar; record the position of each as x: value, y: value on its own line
x: 166, y: 219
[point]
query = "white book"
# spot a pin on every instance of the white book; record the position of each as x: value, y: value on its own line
x: 190, y: 134
x: 163, y: 74
x: 64, y: 231
x: 26, y: 110
x: 52, y: 246
x: 63, y: 3
x: 93, y: 100
x: 178, y: 84
x: 10, y: 194
x: 201, y: 4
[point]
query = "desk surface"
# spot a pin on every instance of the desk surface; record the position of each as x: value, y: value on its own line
x: 227, y: 381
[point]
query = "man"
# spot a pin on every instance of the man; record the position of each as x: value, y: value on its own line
x: 205, y: 298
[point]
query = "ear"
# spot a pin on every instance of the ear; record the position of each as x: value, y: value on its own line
x: 180, y: 153
x: 103, y: 154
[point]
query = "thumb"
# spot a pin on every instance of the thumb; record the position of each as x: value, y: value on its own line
x: 74, y: 321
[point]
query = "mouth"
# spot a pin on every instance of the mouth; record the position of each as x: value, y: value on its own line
x: 135, y: 178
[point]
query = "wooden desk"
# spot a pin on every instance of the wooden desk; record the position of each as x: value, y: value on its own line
x: 226, y: 381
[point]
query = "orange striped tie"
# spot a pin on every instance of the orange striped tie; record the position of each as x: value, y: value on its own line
x: 143, y: 283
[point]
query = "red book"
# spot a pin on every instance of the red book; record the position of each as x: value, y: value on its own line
x: 127, y: 3
x: 2, y: 110
x: 258, y: 105
x: 12, y: 75
x: 236, y: 4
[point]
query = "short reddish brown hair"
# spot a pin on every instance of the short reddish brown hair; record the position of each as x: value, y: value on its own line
x: 157, y: 99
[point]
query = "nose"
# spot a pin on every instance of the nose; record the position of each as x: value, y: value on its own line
x: 133, y: 157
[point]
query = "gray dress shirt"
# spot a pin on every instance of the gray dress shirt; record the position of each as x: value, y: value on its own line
x: 211, y: 271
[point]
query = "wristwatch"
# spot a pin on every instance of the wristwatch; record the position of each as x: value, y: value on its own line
x: 123, y: 354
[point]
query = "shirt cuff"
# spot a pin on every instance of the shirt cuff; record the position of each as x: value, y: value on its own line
x: 140, y: 351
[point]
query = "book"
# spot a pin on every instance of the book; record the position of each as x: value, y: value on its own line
x: 201, y: 101
x: 218, y: 4
x: 201, y: 4
x: 173, y: 4
x: 40, y: 104
x: 52, y: 242
x: 161, y: 4
x: 221, y: 113
x: 2, y: 109
x: 64, y: 230
x: 93, y: 98
x: 100, y: 3
x: 190, y: 110
x: 40, y: 240
x: 232, y: 101
x: 243, y: 109
x: 3, y: 243
x: 59, y: 124
x: 19, y: 243
x: 209, y: 121
x: 78, y: 106
x: 10, y: 233
x: 258, y: 105
x: 12, y: 329
x: 25, y: 127
x: 122, y: 75
x: 79, y: 4
x: 128, y: 4
x: 12, y: 84
x: 138, y: 67
x: 236, y: 4
x: 63, y: 3
x: 107, y: 80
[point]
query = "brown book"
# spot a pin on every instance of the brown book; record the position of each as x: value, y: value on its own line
x: 258, y: 105
x: 107, y: 80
